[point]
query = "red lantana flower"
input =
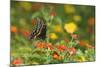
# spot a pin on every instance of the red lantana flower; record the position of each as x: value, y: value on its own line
x: 13, y: 29
x: 62, y: 47
x: 72, y: 50
x: 41, y: 45
x: 56, y: 56
x: 17, y: 61
x: 49, y: 45
x: 24, y: 32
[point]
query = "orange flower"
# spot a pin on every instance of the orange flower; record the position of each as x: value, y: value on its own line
x: 41, y: 45
x: 72, y: 50
x: 34, y: 21
x: 49, y: 45
x: 82, y: 43
x: 61, y: 48
x: 13, y: 29
x: 56, y: 56
x: 85, y: 44
x: 17, y: 61
x: 91, y: 21
x: 44, y: 45
x: 25, y: 33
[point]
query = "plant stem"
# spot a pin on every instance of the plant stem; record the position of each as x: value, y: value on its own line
x: 70, y: 43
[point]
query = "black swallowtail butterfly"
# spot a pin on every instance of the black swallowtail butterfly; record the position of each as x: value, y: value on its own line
x: 40, y: 29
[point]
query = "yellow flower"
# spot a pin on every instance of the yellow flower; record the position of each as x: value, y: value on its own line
x: 82, y: 58
x: 57, y: 28
x: 53, y: 36
x: 70, y: 27
x: 69, y: 9
x: 77, y: 18
x: 26, y: 5
x: 34, y: 62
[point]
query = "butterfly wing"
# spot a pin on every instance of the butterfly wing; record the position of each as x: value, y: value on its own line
x: 39, y: 31
x: 42, y: 33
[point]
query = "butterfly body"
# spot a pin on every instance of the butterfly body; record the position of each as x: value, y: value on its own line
x: 40, y: 30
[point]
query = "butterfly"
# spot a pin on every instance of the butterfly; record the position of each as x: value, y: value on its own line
x: 40, y: 29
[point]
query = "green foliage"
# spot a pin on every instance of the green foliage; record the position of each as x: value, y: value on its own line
x: 63, y: 44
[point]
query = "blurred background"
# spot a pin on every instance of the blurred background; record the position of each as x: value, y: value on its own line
x: 70, y: 33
